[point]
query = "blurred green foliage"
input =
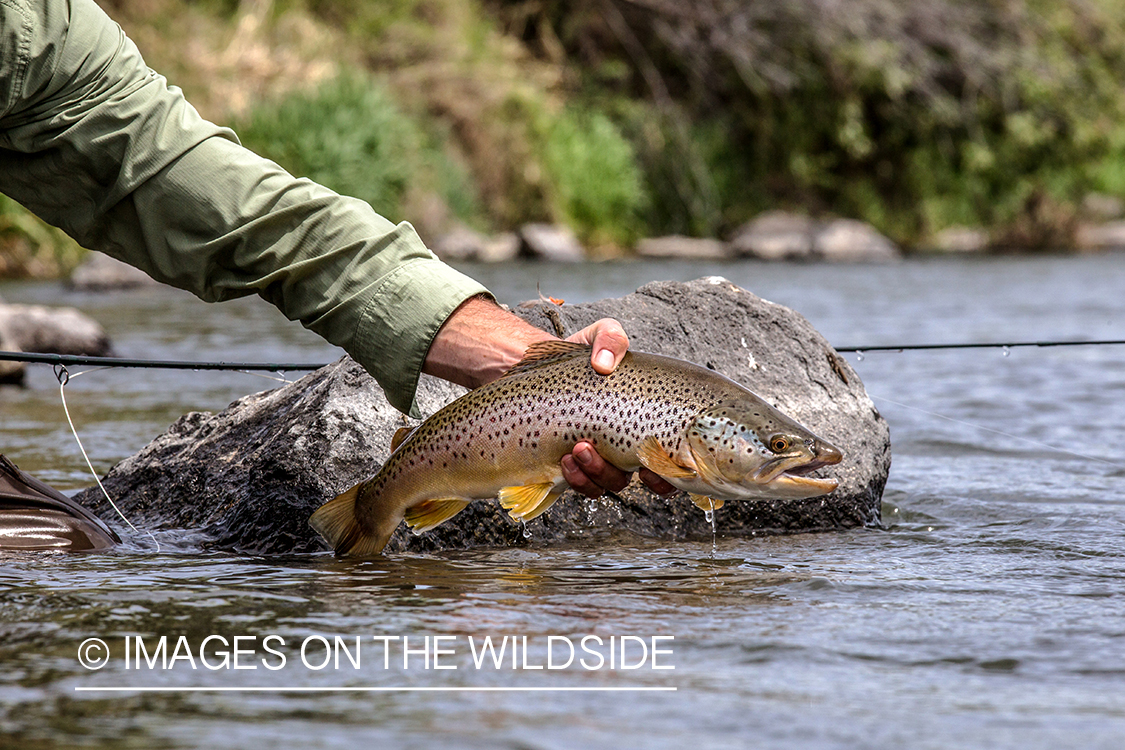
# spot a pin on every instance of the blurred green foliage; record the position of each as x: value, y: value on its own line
x: 626, y: 118
x: 350, y: 136
x: 594, y: 175
x: 914, y: 115
x: 29, y: 247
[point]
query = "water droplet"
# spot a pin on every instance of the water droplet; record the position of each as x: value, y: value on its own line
x: 1007, y: 351
x: 710, y: 516
x: 859, y: 356
x: 526, y: 531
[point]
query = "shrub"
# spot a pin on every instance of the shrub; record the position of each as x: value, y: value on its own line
x: 350, y: 136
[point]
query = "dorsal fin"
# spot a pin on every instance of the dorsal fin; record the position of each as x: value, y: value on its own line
x: 547, y: 352
x: 402, y: 433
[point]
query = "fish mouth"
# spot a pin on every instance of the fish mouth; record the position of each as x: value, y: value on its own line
x: 794, y: 478
x: 811, y: 485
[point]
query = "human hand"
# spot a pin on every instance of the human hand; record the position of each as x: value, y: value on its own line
x: 587, y: 472
x: 480, y: 342
x: 583, y: 468
x: 609, y: 342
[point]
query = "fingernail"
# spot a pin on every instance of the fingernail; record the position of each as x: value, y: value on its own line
x: 584, y: 455
x: 604, y: 359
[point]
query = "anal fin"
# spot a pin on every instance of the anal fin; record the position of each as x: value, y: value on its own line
x: 654, y: 458
x: 429, y: 513
x: 523, y: 501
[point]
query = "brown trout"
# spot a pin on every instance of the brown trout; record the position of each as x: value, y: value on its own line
x: 701, y: 431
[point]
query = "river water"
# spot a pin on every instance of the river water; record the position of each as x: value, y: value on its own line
x: 989, y: 612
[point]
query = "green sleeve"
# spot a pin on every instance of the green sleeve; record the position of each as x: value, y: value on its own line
x: 94, y: 142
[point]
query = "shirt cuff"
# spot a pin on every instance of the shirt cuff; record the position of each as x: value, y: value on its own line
x: 406, y: 311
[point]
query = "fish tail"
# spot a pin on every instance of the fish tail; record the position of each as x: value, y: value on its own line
x: 336, y: 522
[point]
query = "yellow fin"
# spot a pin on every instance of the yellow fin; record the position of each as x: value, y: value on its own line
x: 336, y: 522
x: 547, y: 352
x: 706, y: 503
x: 654, y: 458
x: 402, y: 433
x: 429, y: 513
x: 521, y: 502
x: 542, y: 507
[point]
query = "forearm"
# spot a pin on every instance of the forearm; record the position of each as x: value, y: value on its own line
x: 96, y: 143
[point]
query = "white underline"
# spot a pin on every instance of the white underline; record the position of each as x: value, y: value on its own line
x: 263, y: 689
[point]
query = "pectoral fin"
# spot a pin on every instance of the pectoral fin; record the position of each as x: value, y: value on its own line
x: 654, y: 458
x: 523, y: 502
x: 706, y: 503
x: 429, y: 513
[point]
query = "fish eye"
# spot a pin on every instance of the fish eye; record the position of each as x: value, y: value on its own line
x: 779, y: 444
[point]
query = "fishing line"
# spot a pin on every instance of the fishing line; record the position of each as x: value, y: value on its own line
x: 63, y: 376
x: 979, y: 345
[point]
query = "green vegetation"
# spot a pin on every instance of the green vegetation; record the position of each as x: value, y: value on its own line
x: 625, y: 119
x: 350, y: 136
x: 31, y: 248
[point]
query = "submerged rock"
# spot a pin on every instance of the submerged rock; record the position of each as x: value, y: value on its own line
x: 250, y: 476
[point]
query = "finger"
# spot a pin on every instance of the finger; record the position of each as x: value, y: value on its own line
x: 609, y: 341
x: 577, y: 478
x: 600, y: 471
x: 656, y: 483
x: 589, y: 473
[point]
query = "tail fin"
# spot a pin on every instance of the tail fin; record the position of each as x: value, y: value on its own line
x: 336, y: 522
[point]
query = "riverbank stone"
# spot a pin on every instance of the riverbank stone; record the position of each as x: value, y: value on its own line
x: 250, y: 477
x: 54, y: 330
x: 102, y: 273
x: 779, y: 235
x: 550, y: 242
x: 678, y: 246
x: 11, y: 373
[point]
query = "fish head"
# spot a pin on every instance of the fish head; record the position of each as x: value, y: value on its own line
x: 750, y: 449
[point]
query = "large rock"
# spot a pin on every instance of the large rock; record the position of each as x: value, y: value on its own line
x: 53, y: 330
x: 251, y: 476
